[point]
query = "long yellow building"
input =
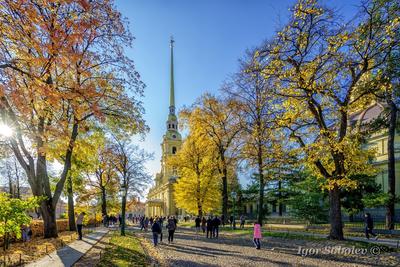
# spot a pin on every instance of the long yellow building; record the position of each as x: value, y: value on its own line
x: 160, y: 199
x: 379, y: 141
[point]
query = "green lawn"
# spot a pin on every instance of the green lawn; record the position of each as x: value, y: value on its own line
x: 186, y: 224
x: 124, y: 251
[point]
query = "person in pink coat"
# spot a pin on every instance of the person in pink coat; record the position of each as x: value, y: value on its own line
x: 257, y: 235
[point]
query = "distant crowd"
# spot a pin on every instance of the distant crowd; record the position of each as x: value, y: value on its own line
x: 209, y: 226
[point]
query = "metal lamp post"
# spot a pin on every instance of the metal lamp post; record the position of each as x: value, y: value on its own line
x: 233, y: 194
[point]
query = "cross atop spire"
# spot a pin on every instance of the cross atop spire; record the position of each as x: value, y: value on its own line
x: 172, y: 89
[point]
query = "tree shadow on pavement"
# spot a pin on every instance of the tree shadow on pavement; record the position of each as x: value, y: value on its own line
x: 272, y: 245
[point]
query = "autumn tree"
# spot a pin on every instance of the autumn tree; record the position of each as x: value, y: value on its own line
x: 105, y: 178
x: 129, y: 165
x: 63, y: 69
x: 81, y: 163
x: 215, y: 118
x: 320, y: 67
x: 261, y: 148
x: 197, y: 189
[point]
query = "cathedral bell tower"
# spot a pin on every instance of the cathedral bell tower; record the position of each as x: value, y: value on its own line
x: 172, y: 139
x: 172, y: 122
x: 161, y: 199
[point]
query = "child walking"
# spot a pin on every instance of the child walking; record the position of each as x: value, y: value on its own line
x: 257, y: 235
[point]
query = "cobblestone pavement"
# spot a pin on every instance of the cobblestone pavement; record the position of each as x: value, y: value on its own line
x: 191, y: 250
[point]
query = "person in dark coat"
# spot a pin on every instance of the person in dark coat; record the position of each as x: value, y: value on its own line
x: 203, y: 224
x: 369, y: 226
x: 160, y: 222
x: 215, y: 223
x: 156, y: 229
x: 171, y: 226
x: 209, y: 227
x: 197, y: 223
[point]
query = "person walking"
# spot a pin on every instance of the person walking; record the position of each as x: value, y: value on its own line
x: 24, y: 233
x: 257, y: 235
x: 209, y: 227
x: 146, y: 223
x: 104, y: 220
x: 171, y: 226
x: 242, y: 221
x: 79, y: 224
x: 369, y: 226
x: 197, y: 224
x: 215, y: 223
x: 203, y: 224
x: 156, y: 229
x: 160, y: 222
x: 141, y: 223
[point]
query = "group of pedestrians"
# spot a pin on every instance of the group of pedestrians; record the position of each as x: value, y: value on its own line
x: 157, y: 228
x: 110, y: 220
x: 212, y: 226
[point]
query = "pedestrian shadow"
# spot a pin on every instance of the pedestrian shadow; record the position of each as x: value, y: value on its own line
x: 202, y: 251
x: 69, y: 255
x: 278, y: 246
x: 190, y: 263
x: 219, y: 250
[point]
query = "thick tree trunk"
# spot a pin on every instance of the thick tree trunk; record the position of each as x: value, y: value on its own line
x: 200, y: 210
x: 335, y: 214
x: 18, y: 188
x: 225, y: 194
x: 280, y: 206
x: 390, y: 207
x: 224, y: 187
x: 260, y: 216
x: 123, y: 209
x: 198, y: 192
x: 103, y: 200
x: 71, y: 208
x: 10, y: 185
x: 49, y: 219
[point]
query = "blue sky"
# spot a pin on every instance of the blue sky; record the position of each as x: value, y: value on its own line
x: 210, y: 35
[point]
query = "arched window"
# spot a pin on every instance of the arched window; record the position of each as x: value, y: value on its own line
x: 173, y: 126
x: 173, y: 150
x: 169, y: 126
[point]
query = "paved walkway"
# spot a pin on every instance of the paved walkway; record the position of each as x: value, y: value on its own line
x: 71, y: 253
x: 191, y: 250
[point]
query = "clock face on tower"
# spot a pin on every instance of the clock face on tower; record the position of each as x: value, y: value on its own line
x: 174, y: 136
